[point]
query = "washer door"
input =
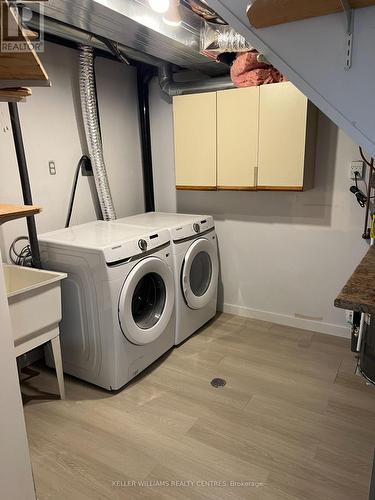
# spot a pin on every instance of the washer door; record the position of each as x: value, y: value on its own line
x: 199, y: 274
x: 146, y: 301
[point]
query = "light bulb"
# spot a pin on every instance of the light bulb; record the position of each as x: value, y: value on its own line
x: 172, y: 16
x: 159, y: 6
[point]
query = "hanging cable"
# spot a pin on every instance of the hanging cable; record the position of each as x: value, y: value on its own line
x: 360, y: 195
x: 22, y: 257
x: 369, y: 163
x: 113, y: 47
x: 84, y: 162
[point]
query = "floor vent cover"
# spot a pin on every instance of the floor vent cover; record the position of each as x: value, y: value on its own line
x: 218, y: 382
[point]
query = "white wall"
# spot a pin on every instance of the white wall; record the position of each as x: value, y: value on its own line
x: 162, y: 149
x: 53, y: 130
x: 284, y: 256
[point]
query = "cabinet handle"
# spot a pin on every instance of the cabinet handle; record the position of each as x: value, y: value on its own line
x: 255, y: 176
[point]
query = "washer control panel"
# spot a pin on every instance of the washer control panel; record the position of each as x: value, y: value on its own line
x: 142, y: 245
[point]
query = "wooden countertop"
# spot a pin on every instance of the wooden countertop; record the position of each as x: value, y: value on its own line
x: 11, y: 212
x: 359, y: 292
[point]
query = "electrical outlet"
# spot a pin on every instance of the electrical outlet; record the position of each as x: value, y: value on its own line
x: 349, y: 317
x: 52, y: 167
x: 356, y: 166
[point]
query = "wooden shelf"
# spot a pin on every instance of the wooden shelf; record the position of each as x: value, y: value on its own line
x: 15, y: 94
x: 359, y: 292
x: 12, y: 212
x: 20, y: 69
x: 265, y: 13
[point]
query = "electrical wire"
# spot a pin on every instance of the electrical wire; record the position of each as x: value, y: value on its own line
x: 22, y: 257
x: 369, y: 163
x: 113, y: 47
x: 84, y: 161
x: 356, y: 174
x: 361, y: 197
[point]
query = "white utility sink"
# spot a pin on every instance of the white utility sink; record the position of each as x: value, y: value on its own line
x: 34, y: 298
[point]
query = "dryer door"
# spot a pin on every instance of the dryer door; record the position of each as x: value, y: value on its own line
x: 146, y: 301
x: 200, y: 273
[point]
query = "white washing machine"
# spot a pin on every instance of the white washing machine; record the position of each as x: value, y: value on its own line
x: 118, y: 299
x: 196, y: 267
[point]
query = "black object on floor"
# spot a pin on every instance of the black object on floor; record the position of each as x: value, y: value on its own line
x: 218, y: 382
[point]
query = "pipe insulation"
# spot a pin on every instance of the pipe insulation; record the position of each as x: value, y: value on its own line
x: 92, y: 130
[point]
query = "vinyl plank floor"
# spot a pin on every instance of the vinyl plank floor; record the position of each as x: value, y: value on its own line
x: 294, y: 422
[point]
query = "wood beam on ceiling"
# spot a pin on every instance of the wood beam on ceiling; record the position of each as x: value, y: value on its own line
x: 265, y: 13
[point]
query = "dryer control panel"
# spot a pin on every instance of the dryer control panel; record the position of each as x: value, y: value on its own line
x: 196, y: 227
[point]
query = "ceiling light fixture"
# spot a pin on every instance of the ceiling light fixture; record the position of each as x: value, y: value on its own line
x: 160, y: 6
x: 173, y: 16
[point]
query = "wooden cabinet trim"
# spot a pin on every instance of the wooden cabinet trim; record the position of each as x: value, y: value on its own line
x: 279, y: 188
x: 236, y: 188
x: 196, y: 188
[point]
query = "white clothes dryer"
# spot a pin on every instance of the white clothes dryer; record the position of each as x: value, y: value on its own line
x: 196, y: 266
x: 118, y: 299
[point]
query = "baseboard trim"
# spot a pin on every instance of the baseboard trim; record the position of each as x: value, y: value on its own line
x: 283, y: 319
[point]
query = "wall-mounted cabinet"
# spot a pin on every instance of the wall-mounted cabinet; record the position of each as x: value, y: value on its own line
x: 237, y: 138
x: 256, y: 138
x: 195, y: 141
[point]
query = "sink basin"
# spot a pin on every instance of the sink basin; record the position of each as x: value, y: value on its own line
x: 34, y: 298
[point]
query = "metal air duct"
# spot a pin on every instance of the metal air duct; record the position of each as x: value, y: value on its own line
x: 172, y: 88
x: 93, y: 136
x: 166, y: 81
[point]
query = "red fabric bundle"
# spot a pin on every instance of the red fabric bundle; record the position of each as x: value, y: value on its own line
x: 247, y: 71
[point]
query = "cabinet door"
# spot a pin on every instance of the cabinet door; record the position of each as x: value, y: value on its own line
x: 237, y: 138
x: 282, y: 137
x: 195, y: 140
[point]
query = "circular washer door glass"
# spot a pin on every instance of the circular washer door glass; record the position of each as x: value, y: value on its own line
x: 200, y: 274
x: 148, y: 301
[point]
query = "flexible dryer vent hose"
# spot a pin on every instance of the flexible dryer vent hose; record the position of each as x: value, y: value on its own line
x: 92, y: 130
